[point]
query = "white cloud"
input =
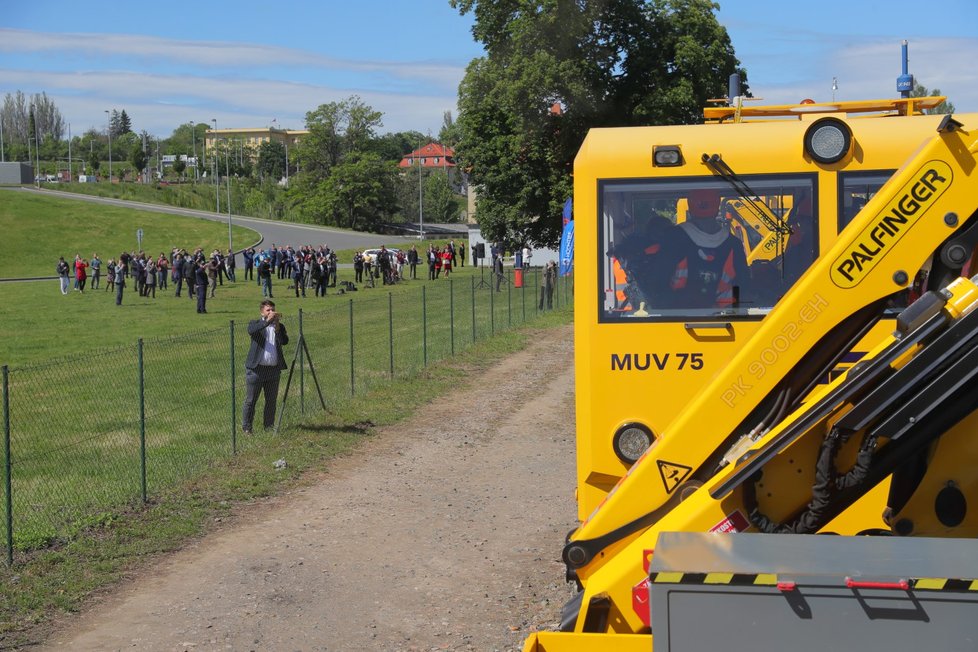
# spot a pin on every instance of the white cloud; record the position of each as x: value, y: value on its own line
x: 193, y: 55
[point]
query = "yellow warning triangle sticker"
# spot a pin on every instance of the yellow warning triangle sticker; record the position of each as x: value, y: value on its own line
x: 672, y: 474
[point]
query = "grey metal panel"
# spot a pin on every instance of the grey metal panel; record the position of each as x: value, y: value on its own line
x: 819, y: 612
x: 813, y: 555
x: 702, y: 618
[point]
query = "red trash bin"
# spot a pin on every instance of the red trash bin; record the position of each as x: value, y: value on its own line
x: 518, y: 277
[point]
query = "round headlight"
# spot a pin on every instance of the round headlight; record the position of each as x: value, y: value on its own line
x: 630, y: 441
x: 828, y: 140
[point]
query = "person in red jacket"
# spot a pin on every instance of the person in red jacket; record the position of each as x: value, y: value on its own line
x: 80, y: 274
x: 446, y: 261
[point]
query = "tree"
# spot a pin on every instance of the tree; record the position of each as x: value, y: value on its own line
x: 441, y: 203
x: 271, y: 160
x: 919, y: 90
x: 94, y: 161
x: 125, y: 124
x: 119, y: 123
x: 24, y: 118
x: 138, y: 157
x: 359, y: 194
x: 340, y: 134
x: 179, y: 165
x: 556, y: 68
x: 335, y: 129
x: 450, y: 133
x: 393, y: 147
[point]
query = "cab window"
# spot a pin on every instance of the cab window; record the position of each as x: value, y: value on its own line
x: 680, y: 249
x: 857, y: 188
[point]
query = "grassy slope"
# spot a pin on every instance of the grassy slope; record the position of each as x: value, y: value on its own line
x: 37, y: 229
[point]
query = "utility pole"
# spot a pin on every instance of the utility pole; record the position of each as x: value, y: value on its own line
x: 217, y: 176
x: 227, y: 169
x: 193, y: 135
x: 109, y: 124
x: 420, y: 193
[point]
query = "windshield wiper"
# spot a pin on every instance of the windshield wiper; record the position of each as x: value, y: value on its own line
x: 773, y: 222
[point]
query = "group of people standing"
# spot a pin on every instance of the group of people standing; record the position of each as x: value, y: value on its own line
x: 304, y: 267
x: 148, y: 273
x: 444, y: 259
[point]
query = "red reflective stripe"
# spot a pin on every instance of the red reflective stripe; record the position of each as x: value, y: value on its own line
x: 725, y: 285
x: 653, y: 249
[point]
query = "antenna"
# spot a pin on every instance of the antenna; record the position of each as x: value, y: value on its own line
x: 905, y: 81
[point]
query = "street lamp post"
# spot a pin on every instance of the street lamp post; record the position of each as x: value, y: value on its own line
x: 420, y: 193
x: 109, y: 130
x: 285, y: 142
x: 193, y: 135
x: 227, y: 171
x: 217, y: 177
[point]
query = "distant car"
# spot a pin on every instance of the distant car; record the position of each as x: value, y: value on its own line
x: 371, y: 254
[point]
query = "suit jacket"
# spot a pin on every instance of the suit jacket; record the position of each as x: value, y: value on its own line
x: 256, y: 330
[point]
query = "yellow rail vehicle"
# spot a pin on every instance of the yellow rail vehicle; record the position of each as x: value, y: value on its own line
x: 687, y: 236
x: 884, y: 447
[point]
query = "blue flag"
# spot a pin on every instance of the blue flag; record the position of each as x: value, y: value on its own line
x: 568, y: 211
x: 567, y: 248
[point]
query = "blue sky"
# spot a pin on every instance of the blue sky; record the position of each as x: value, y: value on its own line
x: 246, y: 63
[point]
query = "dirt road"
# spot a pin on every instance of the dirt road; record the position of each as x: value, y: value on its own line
x: 441, y: 533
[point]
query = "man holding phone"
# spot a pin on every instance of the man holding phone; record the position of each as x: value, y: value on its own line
x: 264, y: 365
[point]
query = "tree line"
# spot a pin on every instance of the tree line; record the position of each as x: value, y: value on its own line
x: 342, y: 173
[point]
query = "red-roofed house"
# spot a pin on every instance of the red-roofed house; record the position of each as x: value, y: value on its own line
x: 432, y: 155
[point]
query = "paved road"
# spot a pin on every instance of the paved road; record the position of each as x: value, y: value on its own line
x: 285, y: 233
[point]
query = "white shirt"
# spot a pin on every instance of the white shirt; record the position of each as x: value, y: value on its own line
x: 269, y: 356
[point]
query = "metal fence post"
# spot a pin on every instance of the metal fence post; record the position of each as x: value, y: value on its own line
x: 234, y: 429
x: 142, y: 420
x: 8, y: 467
x: 492, y: 312
x: 523, y: 300
x: 424, y: 325
x: 390, y: 328
x: 473, y: 308
x: 536, y: 283
x: 451, y: 311
x: 509, y: 299
x: 353, y: 390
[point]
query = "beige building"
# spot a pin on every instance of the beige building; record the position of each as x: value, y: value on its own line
x: 251, y: 139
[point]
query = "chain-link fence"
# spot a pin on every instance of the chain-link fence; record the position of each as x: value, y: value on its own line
x: 88, y: 436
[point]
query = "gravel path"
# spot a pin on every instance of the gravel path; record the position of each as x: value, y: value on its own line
x: 440, y: 533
